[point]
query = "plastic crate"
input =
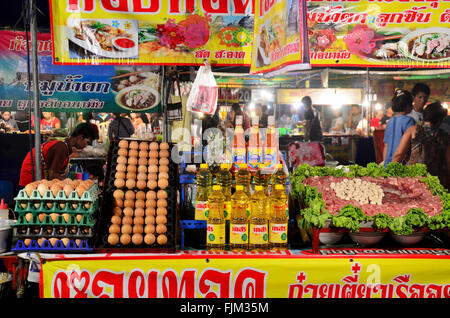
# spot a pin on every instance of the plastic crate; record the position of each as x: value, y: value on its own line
x: 59, y: 247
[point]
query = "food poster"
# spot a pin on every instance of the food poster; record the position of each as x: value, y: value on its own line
x: 73, y: 88
x: 365, y: 33
x: 279, y: 37
x: 162, y: 32
x: 282, y: 274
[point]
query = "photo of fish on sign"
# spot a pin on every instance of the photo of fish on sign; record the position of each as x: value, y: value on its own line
x: 110, y: 38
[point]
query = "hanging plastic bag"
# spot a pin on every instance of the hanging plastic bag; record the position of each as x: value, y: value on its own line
x: 204, y: 92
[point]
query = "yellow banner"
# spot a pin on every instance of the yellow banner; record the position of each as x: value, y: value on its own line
x: 369, y: 33
x: 279, y: 36
x: 246, y: 276
x: 163, y: 32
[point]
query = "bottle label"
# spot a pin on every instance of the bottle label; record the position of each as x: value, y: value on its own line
x: 259, y: 234
x: 215, y: 234
x: 254, y: 158
x: 278, y: 233
x: 238, y: 233
x: 270, y: 157
x: 201, y: 209
x: 227, y: 210
x: 238, y: 156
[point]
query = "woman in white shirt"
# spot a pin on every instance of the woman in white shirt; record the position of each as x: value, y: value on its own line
x: 337, y: 124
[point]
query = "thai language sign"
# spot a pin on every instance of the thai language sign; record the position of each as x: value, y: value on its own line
x: 67, y: 88
x: 273, y: 275
x: 163, y: 32
x: 279, y: 37
x: 379, y: 33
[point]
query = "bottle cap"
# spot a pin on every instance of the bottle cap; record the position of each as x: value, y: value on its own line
x: 262, y: 165
x: 216, y: 187
x: 203, y: 166
x: 258, y: 188
x: 239, y: 187
x: 278, y: 187
x: 224, y: 166
x: 242, y: 166
x: 279, y: 165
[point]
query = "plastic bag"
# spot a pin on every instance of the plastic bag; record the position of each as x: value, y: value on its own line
x: 204, y: 93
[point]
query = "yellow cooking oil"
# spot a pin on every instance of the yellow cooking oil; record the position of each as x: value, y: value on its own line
x: 262, y: 178
x: 239, y: 220
x: 278, y: 221
x: 279, y: 177
x: 215, y: 224
x: 224, y: 178
x: 259, y: 234
x: 204, y: 178
x: 243, y: 177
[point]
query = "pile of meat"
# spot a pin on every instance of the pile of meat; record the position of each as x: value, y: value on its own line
x: 399, y: 196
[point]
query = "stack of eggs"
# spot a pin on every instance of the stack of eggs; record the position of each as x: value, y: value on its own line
x: 139, y: 213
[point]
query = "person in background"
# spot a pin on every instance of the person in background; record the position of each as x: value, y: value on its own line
x: 285, y: 120
x: 49, y: 122
x: 313, y: 129
x: 22, y: 119
x: 420, y: 93
x: 361, y: 129
x: 120, y: 127
x: 295, y: 118
x: 9, y: 121
x: 236, y: 110
x: 56, y: 154
x: 155, y: 121
x: 337, y: 123
x: 398, y: 124
x: 103, y: 117
x: 375, y: 122
x: 354, y: 117
x: 136, y: 120
x: 264, y: 119
x: 425, y: 142
x: 386, y: 117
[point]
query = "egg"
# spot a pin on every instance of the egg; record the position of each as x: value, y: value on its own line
x: 133, y: 153
x: 163, y: 175
x: 163, y: 169
x: 41, y: 241
x: 126, y: 228
x: 152, y: 169
x: 54, y: 216
x: 78, y: 242
x: 119, y: 183
x: 131, y: 168
x: 123, y: 143
x: 121, y: 167
x: 42, y: 188
x: 161, y: 203
x: 164, y: 146
x: 27, y: 242
x: 149, y: 239
x: 142, y: 161
x: 143, y: 154
x: 66, y: 217
x: 149, y: 228
x: 153, y: 162
x: 153, y: 154
x: 53, y: 241
x: 130, y: 195
x: 55, y: 188
x: 122, y: 152
x: 151, y: 184
x: 125, y: 239
x: 142, y: 176
x: 118, y: 194
x: 132, y: 161
x: 137, y: 239
x: 163, y: 183
x: 119, y: 175
x: 133, y: 145
x: 150, y: 219
x: 131, y: 175
x: 41, y: 217
x: 139, y: 212
x: 29, y: 188
x: 138, y: 228
x: 118, y: 203
x: 139, y: 204
x: 143, y: 145
x: 152, y: 176
x: 164, y: 153
x: 161, y: 219
x: 130, y: 183
x: 116, y: 220
x: 164, y: 161
x: 117, y: 211
x: 28, y: 217
x: 150, y: 195
x: 128, y: 203
x: 161, y: 239
x: 65, y: 241
x: 114, y: 228
x: 128, y: 211
x: 127, y: 220
x: 140, y: 195
x: 161, y: 194
x: 161, y: 228
x: 113, y: 239
x: 140, y: 184
x: 79, y: 218
x: 138, y: 220
x: 150, y: 203
x: 121, y: 160
x: 161, y: 211
x: 153, y: 146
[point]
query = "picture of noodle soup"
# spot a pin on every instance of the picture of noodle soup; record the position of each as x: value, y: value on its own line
x: 431, y: 45
x: 137, y: 97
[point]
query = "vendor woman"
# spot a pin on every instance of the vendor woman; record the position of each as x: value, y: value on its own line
x: 56, y: 154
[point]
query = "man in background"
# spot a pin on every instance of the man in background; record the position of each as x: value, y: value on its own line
x: 420, y: 93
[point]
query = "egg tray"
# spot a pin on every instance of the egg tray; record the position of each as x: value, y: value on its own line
x: 89, y: 195
x: 86, y: 220
x: 56, y: 208
x: 59, y: 246
x: 81, y: 232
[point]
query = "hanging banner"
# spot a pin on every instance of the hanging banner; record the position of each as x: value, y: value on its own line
x: 242, y: 275
x: 67, y: 88
x: 280, y: 41
x: 367, y: 33
x: 162, y: 32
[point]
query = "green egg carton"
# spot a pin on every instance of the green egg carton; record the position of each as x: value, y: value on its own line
x: 90, y: 195
x: 56, y: 208
x: 86, y: 220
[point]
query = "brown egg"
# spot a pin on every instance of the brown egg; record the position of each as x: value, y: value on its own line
x: 66, y: 217
x: 125, y: 239
x: 78, y: 242
x: 137, y: 239
x: 163, y: 175
x: 152, y: 169
x: 54, y: 216
x: 153, y: 161
x: 65, y: 241
x: 164, y: 146
x: 150, y: 195
x: 143, y: 145
x: 123, y: 143
x: 152, y: 176
x: 161, y: 219
x: 119, y: 183
x: 164, y: 161
x: 55, y: 188
x: 133, y: 153
x: 161, y: 194
x: 119, y: 175
x: 27, y: 242
x: 28, y: 217
x: 149, y: 239
x: 116, y: 219
x: 128, y: 211
x: 161, y: 239
x: 151, y: 184
x: 41, y: 217
x: 53, y: 241
x: 153, y: 146
x: 164, y: 153
x: 150, y: 219
x: 130, y: 183
x: 142, y: 169
x: 150, y: 211
x: 67, y: 190
x: 113, y: 239
x: 130, y: 195
x: 40, y: 241
x: 138, y: 228
x: 118, y: 194
x: 139, y: 212
x: 163, y: 183
x: 139, y: 204
x: 29, y: 188
x: 126, y: 228
x: 117, y: 211
x: 79, y: 217
x: 131, y: 168
x: 143, y: 154
x: 150, y: 203
x: 161, y: 228
x: 163, y: 169
x: 132, y: 161
x: 122, y: 152
x: 149, y: 228
x: 140, y: 195
x: 121, y: 160
x: 128, y: 203
x: 153, y: 154
x: 161, y: 203
x: 133, y: 145
x: 131, y: 175
x: 127, y: 220
x: 143, y: 161
x: 114, y: 228
x: 141, y: 184
x: 42, y: 188
x: 118, y: 203
x: 138, y: 220
x: 121, y: 167
x: 141, y: 176
x: 161, y: 211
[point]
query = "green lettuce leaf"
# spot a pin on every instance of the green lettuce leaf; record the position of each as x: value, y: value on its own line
x: 382, y: 220
x: 349, y: 217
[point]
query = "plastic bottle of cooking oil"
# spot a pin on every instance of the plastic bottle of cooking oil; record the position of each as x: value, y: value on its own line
x: 254, y: 154
x: 278, y: 221
x: 271, y: 147
x: 262, y: 178
x: 239, y: 220
x: 243, y: 177
x: 215, y: 224
x: 259, y: 234
x: 203, y: 191
x: 279, y: 177
x: 224, y: 178
x: 239, y: 151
